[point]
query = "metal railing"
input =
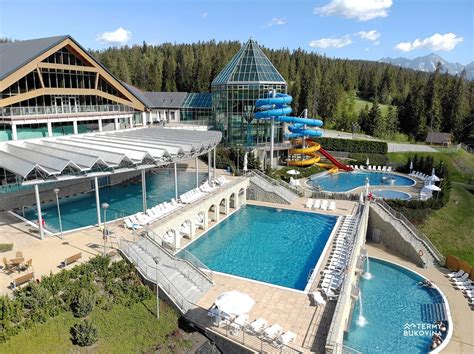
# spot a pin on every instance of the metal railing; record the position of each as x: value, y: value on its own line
x: 418, y: 235
x: 339, y: 348
x: 191, y: 258
x: 284, y: 189
x: 41, y: 110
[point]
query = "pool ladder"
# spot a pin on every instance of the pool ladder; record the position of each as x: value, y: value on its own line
x: 310, y: 274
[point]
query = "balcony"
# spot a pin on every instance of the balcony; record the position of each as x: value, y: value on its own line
x: 62, y: 111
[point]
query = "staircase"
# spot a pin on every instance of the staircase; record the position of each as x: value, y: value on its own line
x: 419, y: 241
x: 182, y: 282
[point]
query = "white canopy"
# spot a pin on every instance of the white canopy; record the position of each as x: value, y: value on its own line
x: 361, y: 198
x: 367, y: 185
x: 293, y: 172
x: 432, y: 187
x: 234, y: 302
x: 246, y: 162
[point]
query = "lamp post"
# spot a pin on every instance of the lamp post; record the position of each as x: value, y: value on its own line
x: 238, y: 157
x: 56, y: 191
x: 104, y: 231
x: 157, y: 260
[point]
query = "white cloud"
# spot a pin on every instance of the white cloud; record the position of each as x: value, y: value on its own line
x: 276, y: 22
x: 376, y: 42
x: 331, y: 42
x: 370, y: 35
x: 204, y: 14
x: 363, y: 10
x: 437, y: 42
x: 119, y: 36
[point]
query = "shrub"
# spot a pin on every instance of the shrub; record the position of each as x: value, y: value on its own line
x: 83, y: 304
x: 374, y: 159
x: 84, y: 334
x: 348, y: 145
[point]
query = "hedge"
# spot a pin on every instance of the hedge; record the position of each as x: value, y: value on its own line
x: 348, y: 145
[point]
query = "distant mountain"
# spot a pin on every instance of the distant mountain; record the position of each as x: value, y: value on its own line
x: 428, y: 63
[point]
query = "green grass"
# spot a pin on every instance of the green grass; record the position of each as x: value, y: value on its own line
x: 5, y: 247
x: 451, y: 228
x: 121, y: 330
x: 360, y: 104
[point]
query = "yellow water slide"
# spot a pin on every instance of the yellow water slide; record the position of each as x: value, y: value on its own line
x: 311, y: 151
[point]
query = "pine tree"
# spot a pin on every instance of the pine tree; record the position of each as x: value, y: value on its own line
x: 376, y: 123
x: 433, y: 101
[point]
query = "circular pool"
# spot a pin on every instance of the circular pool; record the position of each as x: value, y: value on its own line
x: 391, y: 194
x: 347, y: 181
x: 398, y: 315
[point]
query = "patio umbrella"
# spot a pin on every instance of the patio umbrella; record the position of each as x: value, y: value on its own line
x: 361, y: 198
x: 293, y: 172
x: 432, y: 187
x: 246, y: 162
x: 367, y: 185
x: 367, y: 162
x: 411, y: 166
x: 433, y: 177
x: 234, y: 302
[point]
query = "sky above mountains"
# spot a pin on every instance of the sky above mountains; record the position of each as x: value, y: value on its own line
x: 357, y: 29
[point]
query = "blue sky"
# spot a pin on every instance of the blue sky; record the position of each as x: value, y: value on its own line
x: 365, y: 29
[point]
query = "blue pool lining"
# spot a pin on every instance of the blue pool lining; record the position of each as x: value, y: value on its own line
x: 353, y: 189
x: 446, y: 304
x: 394, y: 190
x: 318, y: 264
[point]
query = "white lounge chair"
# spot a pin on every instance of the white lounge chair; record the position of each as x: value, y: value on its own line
x: 324, y: 205
x: 389, y: 169
x: 130, y: 225
x: 379, y: 168
x: 317, y: 298
x: 317, y: 204
x: 239, y: 323
x: 309, y: 203
x: 271, y: 332
x: 459, y: 273
x: 284, y: 339
x: 332, y: 205
x: 462, y: 278
x: 257, y: 326
x: 384, y: 169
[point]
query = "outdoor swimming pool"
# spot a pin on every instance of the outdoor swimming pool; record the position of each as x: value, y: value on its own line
x: 346, y: 181
x: 124, y: 199
x: 391, y: 194
x: 271, y: 245
x: 394, y: 307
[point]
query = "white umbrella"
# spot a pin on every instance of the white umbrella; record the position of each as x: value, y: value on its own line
x: 411, y: 166
x: 234, y: 302
x: 367, y: 185
x: 246, y: 162
x: 432, y: 187
x: 361, y: 198
x: 367, y: 162
x: 433, y: 177
x: 293, y: 172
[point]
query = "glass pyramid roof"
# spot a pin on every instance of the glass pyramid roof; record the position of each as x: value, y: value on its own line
x: 250, y: 64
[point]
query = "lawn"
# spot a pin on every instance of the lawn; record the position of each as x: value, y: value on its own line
x: 121, y: 330
x: 451, y: 228
x: 360, y: 104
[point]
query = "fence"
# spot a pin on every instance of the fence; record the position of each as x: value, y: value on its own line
x: 420, y: 236
x: 275, y: 182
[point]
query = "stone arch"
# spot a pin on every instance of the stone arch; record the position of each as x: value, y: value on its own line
x: 202, y: 220
x: 233, y: 203
x: 213, y: 212
x: 187, y: 228
x: 172, y: 237
x: 224, y: 206
x: 242, y: 196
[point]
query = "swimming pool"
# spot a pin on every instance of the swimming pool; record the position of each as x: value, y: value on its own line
x: 271, y: 245
x: 394, y: 307
x: 391, y: 194
x: 124, y: 199
x: 346, y: 181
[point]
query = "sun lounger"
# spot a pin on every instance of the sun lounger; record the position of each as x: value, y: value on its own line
x: 324, y: 205
x: 384, y: 169
x: 239, y: 323
x: 461, y: 278
x: 130, y: 225
x: 332, y: 206
x: 459, y: 273
x: 271, y: 332
x: 317, y: 204
x: 389, y: 169
x: 309, y: 203
x: 257, y: 326
x: 317, y: 298
x: 284, y: 339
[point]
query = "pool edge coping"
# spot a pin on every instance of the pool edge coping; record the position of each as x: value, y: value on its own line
x: 448, y: 309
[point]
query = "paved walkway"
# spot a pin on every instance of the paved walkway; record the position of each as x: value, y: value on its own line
x: 463, y: 317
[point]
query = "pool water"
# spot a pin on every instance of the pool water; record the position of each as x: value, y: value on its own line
x: 271, y: 245
x: 346, y: 181
x: 391, y: 194
x: 124, y: 199
x: 391, y: 300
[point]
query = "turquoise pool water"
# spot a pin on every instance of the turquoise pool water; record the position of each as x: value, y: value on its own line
x: 124, y: 199
x: 271, y: 245
x: 346, y: 181
x: 391, y: 300
x: 391, y: 194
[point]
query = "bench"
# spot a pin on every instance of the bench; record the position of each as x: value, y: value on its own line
x: 71, y: 259
x: 22, y: 280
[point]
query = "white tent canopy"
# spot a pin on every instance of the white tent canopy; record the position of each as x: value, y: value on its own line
x: 234, y: 303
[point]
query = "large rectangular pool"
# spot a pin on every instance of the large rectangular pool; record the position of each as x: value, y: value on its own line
x: 271, y: 245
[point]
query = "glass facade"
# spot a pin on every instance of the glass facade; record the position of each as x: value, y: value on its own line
x: 249, y: 76
x: 197, y: 107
